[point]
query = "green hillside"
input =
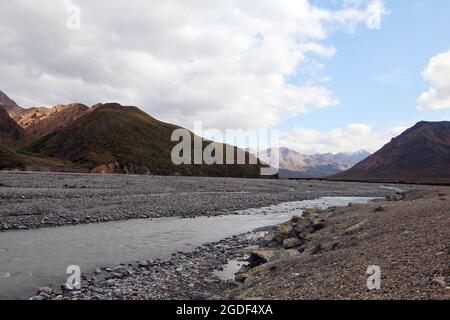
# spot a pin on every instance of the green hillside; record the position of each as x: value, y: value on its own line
x: 114, y: 138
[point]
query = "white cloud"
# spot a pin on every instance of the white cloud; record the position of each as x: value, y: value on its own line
x: 438, y: 74
x: 354, y: 137
x: 224, y: 62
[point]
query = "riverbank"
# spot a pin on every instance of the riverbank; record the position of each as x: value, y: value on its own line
x: 406, y: 237
x: 41, y: 200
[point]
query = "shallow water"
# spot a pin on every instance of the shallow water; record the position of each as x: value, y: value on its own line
x: 397, y: 189
x: 33, y: 258
x: 230, y: 269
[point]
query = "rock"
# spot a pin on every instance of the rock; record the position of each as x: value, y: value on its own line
x: 37, y: 298
x: 291, y: 243
x: 395, y: 197
x: 121, y: 270
x: 117, y: 275
x: 45, y: 296
x: 309, y: 212
x: 252, y: 272
x: 45, y: 290
x: 58, y: 291
x: 380, y: 209
x: 283, y: 231
x: 266, y: 241
x: 263, y: 243
x: 299, y: 229
x: 318, y: 224
x: 316, y: 249
x: 272, y: 265
x: 261, y: 256
x: 110, y: 283
x: 356, y: 227
x: 440, y: 281
x: 143, y: 264
x: 98, y: 271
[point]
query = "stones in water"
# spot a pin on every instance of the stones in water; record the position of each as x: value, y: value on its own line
x: 284, y: 241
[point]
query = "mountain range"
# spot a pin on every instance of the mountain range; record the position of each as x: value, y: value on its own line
x: 106, y: 138
x: 111, y: 138
x: 419, y: 155
x: 298, y: 166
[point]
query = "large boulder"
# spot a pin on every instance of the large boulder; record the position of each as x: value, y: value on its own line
x: 270, y: 257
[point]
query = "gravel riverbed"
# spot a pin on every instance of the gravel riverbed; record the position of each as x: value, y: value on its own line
x: 36, y: 200
x: 407, y: 236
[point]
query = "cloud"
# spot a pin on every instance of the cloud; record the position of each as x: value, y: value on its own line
x: 438, y: 74
x: 354, y: 137
x: 228, y: 63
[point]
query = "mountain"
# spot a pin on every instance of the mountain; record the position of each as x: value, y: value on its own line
x: 295, y: 165
x: 38, y: 122
x: 9, y: 105
x: 419, y: 155
x: 11, y: 134
x: 119, y: 139
x: 6, y: 101
x: 10, y: 159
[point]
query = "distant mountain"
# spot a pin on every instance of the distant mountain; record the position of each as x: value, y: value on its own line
x: 118, y: 139
x: 295, y: 165
x: 11, y: 134
x: 420, y: 154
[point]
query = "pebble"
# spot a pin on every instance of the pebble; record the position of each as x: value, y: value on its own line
x: 45, y: 290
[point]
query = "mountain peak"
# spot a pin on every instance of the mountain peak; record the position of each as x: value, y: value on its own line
x: 6, y: 102
x: 293, y: 164
x: 421, y: 153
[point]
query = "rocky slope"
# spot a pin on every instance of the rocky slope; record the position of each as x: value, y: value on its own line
x: 332, y: 258
x: 296, y: 165
x: 7, y: 102
x: 39, y: 122
x: 9, y: 105
x: 421, y: 154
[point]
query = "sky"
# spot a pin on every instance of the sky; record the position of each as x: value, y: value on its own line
x: 330, y: 75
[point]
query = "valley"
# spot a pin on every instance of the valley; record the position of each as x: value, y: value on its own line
x: 36, y: 200
x: 152, y: 237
